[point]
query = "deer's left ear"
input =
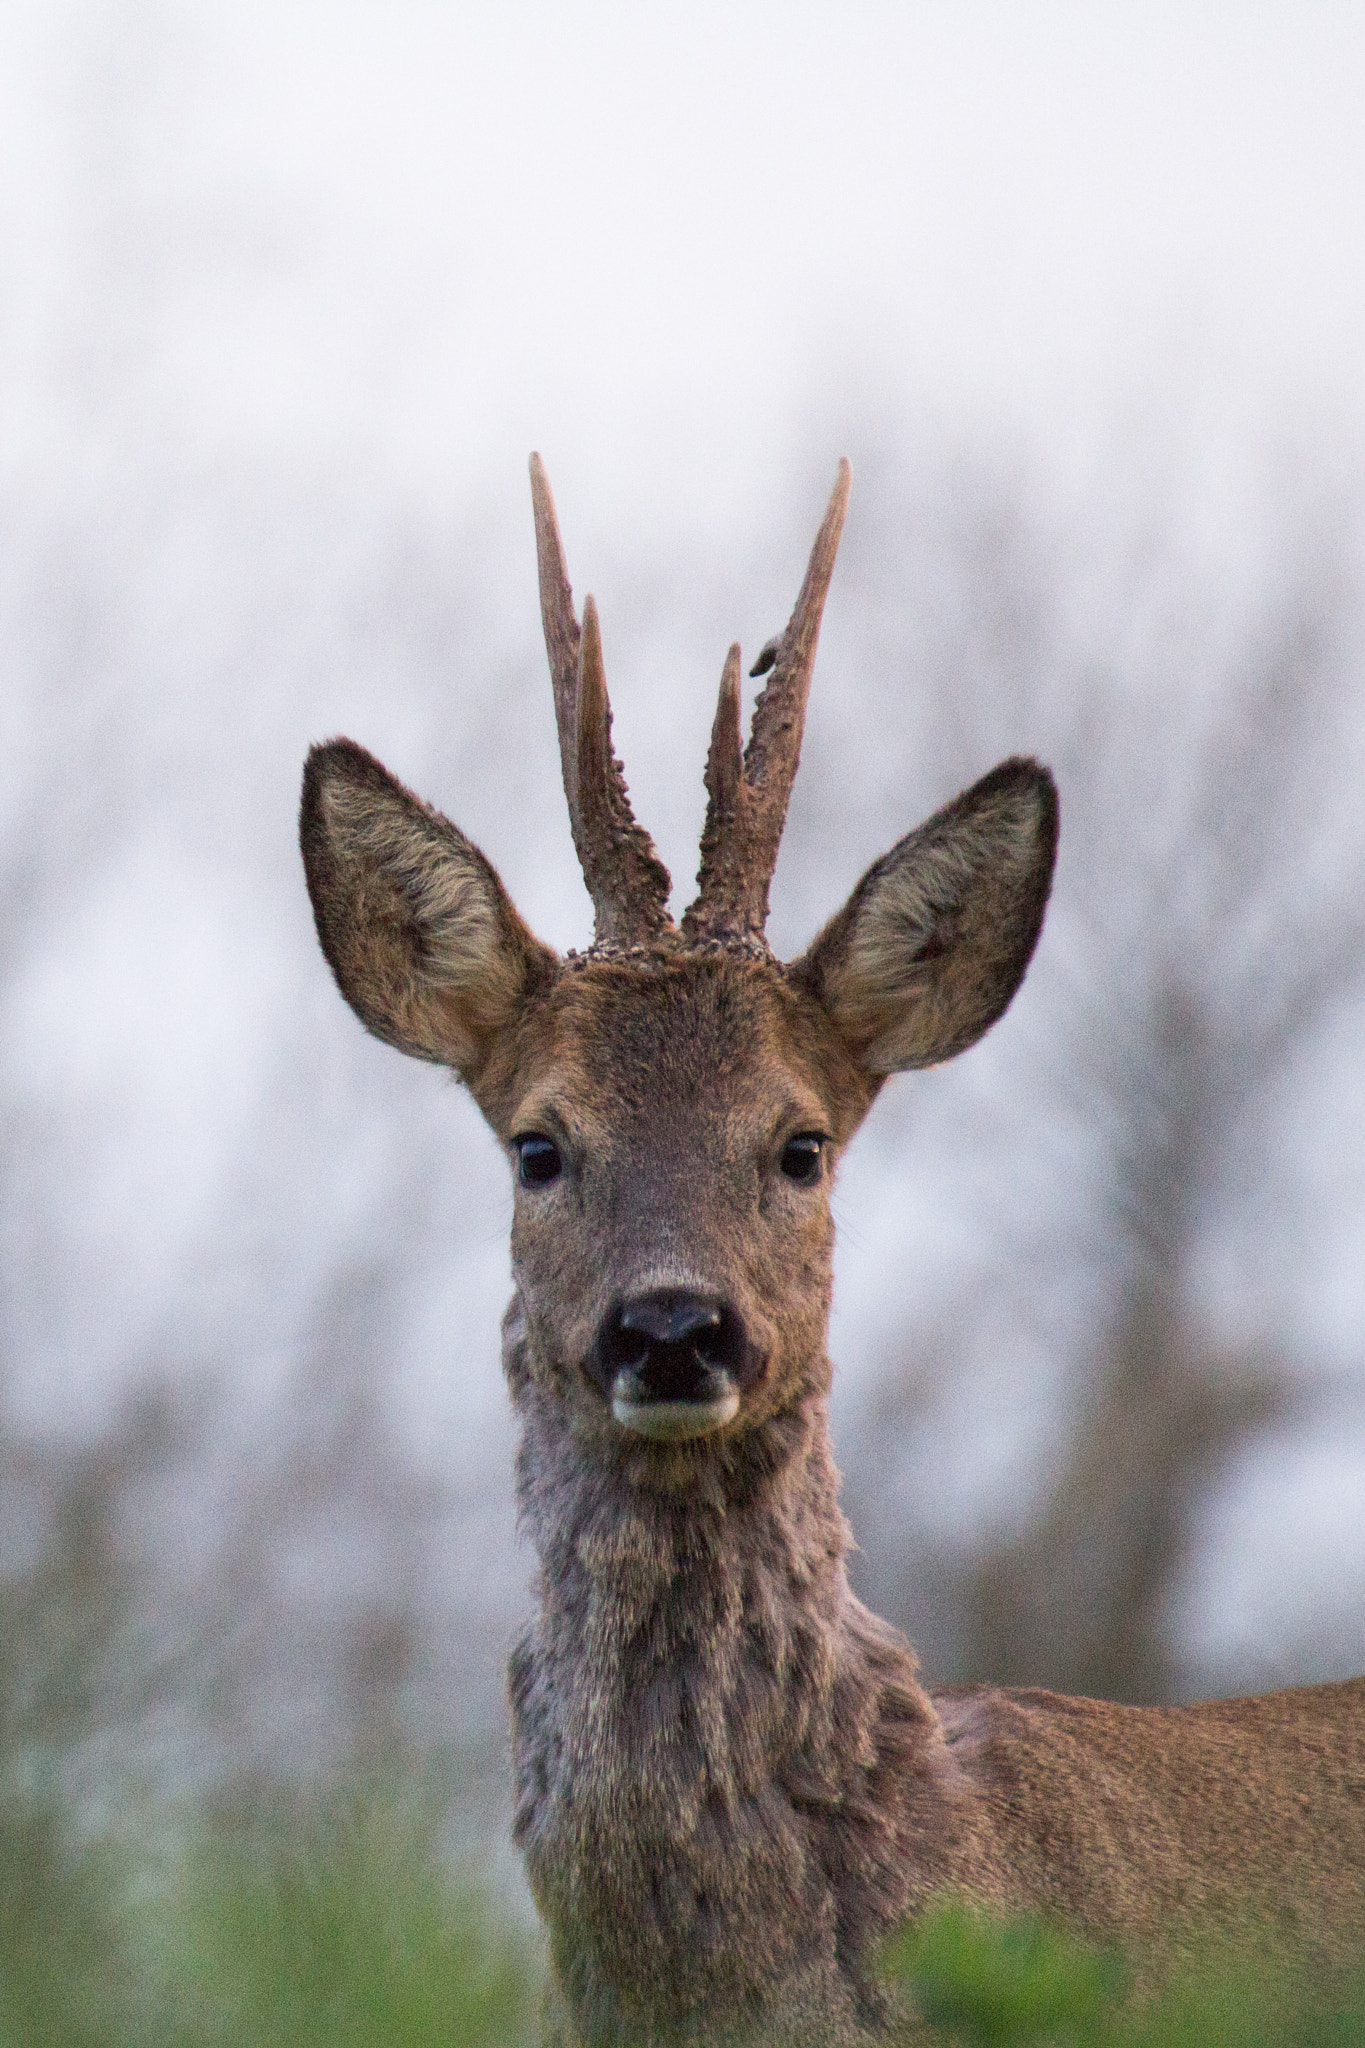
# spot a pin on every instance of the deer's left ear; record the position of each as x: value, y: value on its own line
x: 933, y: 942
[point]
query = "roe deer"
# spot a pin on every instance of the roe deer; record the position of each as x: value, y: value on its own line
x: 730, y: 1781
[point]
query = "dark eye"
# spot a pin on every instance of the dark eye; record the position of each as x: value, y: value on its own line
x: 803, y: 1158
x: 538, y: 1160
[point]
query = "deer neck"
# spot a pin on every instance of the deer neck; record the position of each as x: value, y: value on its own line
x: 729, y: 1780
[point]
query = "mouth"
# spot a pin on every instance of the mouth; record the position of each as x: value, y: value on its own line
x: 711, y: 1399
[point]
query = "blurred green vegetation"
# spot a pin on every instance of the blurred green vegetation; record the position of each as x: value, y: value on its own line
x: 276, y: 1917
x: 979, y: 1979
x: 1021, y: 1983
x: 284, y: 1921
x: 332, y: 1922
x: 280, y: 1921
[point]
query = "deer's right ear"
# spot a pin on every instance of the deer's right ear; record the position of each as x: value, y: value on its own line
x: 424, y: 941
x: 933, y: 942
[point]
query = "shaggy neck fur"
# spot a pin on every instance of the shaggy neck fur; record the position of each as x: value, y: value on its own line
x: 729, y: 1781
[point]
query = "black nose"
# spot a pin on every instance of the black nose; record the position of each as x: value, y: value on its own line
x: 675, y: 1346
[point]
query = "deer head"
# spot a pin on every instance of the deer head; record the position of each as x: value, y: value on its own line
x: 674, y: 1101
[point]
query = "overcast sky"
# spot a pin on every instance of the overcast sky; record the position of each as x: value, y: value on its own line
x: 280, y: 281
x: 665, y: 243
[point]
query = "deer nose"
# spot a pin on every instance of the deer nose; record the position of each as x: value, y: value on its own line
x: 671, y: 1363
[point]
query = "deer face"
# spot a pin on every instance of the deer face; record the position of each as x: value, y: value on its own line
x: 674, y: 1130
x: 674, y: 1104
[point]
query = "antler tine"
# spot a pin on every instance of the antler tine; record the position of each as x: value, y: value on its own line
x: 774, y: 748
x: 561, y: 629
x: 627, y: 881
x: 745, y: 815
x: 717, y: 882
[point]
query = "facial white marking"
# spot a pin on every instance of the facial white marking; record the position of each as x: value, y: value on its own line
x: 674, y: 1421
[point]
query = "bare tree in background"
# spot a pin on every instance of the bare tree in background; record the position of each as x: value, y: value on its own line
x: 1210, y: 918
x: 289, y: 1586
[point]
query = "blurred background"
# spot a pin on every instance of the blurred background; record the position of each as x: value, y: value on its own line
x: 287, y: 294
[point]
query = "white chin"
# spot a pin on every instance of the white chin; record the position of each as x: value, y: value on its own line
x: 672, y: 1422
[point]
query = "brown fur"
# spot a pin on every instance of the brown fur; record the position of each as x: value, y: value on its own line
x: 730, y: 1783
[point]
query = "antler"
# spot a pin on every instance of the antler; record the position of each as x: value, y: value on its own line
x: 747, y: 799
x: 627, y: 881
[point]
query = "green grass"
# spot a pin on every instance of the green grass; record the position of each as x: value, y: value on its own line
x: 333, y: 1921
x: 67, y: 1972
x: 337, y: 1926
x: 989, y: 1981
x: 983, y: 1982
x: 283, y: 1923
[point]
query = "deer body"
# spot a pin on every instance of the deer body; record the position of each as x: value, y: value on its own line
x: 730, y: 1782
